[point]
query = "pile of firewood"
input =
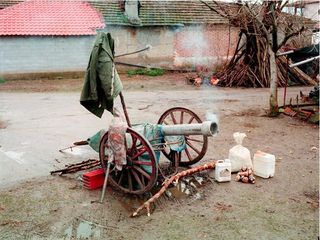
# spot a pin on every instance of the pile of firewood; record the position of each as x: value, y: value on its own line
x: 260, y: 26
x: 250, y: 69
x: 295, y: 75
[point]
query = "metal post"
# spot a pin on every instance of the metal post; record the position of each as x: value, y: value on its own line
x: 105, y: 183
x: 303, y: 62
x: 285, y: 86
x: 285, y: 53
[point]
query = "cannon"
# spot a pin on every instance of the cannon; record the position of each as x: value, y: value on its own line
x: 179, y: 134
x: 207, y: 128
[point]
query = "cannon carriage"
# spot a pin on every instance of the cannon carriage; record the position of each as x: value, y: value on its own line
x: 180, y: 135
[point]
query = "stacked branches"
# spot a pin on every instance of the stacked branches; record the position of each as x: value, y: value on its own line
x: 264, y: 28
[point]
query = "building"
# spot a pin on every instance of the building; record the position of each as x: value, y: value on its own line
x: 183, y: 34
x: 47, y: 36
x: 305, y: 8
x: 308, y: 9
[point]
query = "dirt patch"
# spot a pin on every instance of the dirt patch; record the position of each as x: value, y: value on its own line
x: 45, y: 85
x: 222, y: 207
x: 312, y: 198
x: 231, y: 100
x: 11, y: 223
x: 60, y: 208
x: 166, y: 82
x: 3, y: 124
x: 252, y: 112
x: 250, y: 125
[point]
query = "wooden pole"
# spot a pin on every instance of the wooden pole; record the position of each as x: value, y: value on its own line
x: 146, y: 205
x: 286, y: 83
x: 125, y: 109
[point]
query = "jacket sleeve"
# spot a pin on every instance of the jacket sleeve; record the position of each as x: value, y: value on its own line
x: 105, y: 67
x: 89, y: 94
x: 92, y: 72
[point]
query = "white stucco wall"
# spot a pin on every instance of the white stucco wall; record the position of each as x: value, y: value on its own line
x: 128, y: 39
x: 60, y: 54
x: 311, y: 10
x: 44, y: 54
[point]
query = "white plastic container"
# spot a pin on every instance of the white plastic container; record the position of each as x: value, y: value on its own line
x: 264, y: 164
x: 223, y: 171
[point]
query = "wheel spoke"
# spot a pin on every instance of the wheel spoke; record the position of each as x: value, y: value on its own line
x: 139, y: 153
x: 142, y: 172
x: 173, y: 118
x: 193, y: 147
x: 177, y: 158
x: 196, y: 146
x: 129, y: 180
x: 135, y: 175
x: 120, y: 179
x: 142, y: 163
x: 133, y: 145
x: 191, y: 119
x: 188, y: 154
x: 125, y: 144
x: 181, y: 117
x: 165, y: 122
x: 194, y: 140
x: 143, y: 181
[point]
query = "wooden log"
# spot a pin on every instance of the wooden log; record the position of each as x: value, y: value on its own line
x: 299, y: 73
x: 174, y: 178
x: 72, y: 168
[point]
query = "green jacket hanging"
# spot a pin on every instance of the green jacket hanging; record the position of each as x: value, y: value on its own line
x: 102, y: 83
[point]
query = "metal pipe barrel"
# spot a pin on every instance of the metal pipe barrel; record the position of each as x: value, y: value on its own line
x: 207, y: 128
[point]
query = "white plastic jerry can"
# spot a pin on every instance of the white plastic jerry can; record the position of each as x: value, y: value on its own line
x: 223, y: 171
x: 264, y: 164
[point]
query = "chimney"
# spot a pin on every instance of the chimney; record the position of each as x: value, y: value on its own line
x: 132, y: 11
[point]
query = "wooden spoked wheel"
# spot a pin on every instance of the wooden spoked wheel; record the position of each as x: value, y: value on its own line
x: 196, y: 144
x: 140, y: 173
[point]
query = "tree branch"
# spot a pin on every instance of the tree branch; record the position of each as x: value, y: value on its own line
x: 263, y: 27
x: 284, y: 4
x: 212, y: 9
x: 288, y: 36
x: 221, y: 13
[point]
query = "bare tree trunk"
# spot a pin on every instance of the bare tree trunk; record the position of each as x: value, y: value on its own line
x: 273, y: 48
x: 273, y: 101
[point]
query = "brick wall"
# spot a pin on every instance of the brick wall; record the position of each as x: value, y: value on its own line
x: 204, y: 45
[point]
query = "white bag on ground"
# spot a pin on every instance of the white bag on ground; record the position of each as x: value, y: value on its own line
x: 116, y: 140
x: 239, y: 155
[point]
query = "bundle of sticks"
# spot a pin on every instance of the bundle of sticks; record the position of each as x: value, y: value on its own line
x: 249, y: 67
x: 174, y: 178
x: 260, y: 26
x: 76, y: 167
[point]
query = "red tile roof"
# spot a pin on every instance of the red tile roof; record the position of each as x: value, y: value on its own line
x: 50, y: 17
